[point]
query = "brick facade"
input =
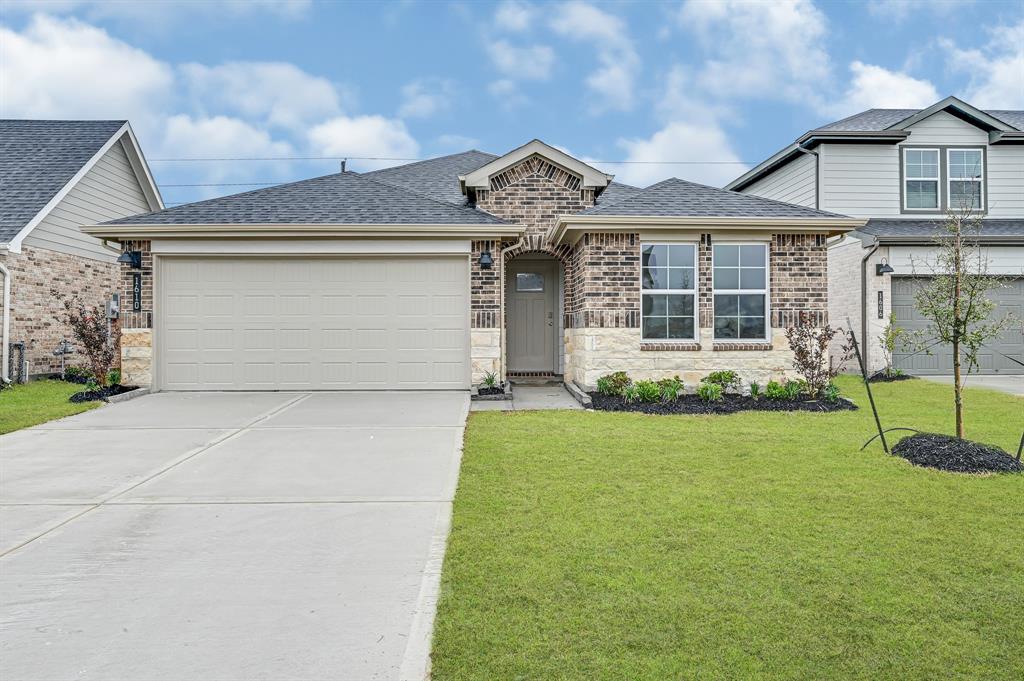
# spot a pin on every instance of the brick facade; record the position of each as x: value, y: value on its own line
x: 799, y: 278
x: 144, y: 318
x: 604, y: 288
x: 36, y: 315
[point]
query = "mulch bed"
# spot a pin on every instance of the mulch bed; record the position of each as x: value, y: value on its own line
x: 948, y: 453
x: 490, y: 391
x: 881, y: 377
x: 102, y: 393
x: 729, y: 404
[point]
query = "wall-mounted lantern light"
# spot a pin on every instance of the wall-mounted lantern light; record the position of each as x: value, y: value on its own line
x: 883, y: 268
x: 486, y: 261
x: 132, y: 259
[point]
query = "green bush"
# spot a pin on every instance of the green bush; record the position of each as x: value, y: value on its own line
x: 114, y: 377
x: 73, y: 374
x: 794, y: 389
x: 631, y: 393
x: 755, y: 390
x: 490, y: 380
x: 831, y: 392
x: 728, y: 379
x: 775, y: 391
x: 710, y: 392
x: 671, y: 388
x: 647, y: 391
x: 790, y: 390
x: 613, y: 384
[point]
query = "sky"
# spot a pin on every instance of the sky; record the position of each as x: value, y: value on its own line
x: 700, y: 90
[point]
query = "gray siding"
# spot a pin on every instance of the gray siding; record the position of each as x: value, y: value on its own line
x: 1005, y: 177
x: 795, y: 182
x: 108, y: 191
x: 861, y: 180
x: 945, y: 128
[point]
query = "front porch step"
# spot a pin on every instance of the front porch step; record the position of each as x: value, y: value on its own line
x: 534, y: 378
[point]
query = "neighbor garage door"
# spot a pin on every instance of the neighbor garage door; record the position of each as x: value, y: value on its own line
x: 313, y: 323
x: 994, y: 359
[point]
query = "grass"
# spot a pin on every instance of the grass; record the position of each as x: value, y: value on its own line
x: 759, y: 545
x: 30, y: 404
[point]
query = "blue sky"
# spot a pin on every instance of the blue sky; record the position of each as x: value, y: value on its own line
x: 717, y: 85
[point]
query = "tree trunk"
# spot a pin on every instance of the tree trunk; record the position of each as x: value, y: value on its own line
x: 957, y: 388
x: 958, y: 400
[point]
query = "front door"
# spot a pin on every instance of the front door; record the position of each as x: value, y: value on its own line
x: 532, y: 289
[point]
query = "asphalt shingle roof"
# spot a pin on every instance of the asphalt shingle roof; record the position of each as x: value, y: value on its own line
x: 437, y: 178
x: 37, y: 158
x: 338, y: 199
x: 895, y: 228
x: 679, y: 198
x: 874, y: 120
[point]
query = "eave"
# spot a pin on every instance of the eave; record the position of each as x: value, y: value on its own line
x: 569, y: 228
x: 1005, y: 137
x: 123, y: 232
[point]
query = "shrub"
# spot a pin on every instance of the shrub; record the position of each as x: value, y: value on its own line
x: 831, y: 392
x: 630, y: 393
x: 99, y: 339
x: 794, y: 389
x: 671, y: 388
x: 755, y: 390
x: 728, y: 379
x: 809, y: 344
x: 114, y: 377
x: 889, y: 342
x: 647, y: 391
x: 710, y: 392
x: 490, y: 380
x: 73, y: 374
x: 775, y: 391
x: 613, y: 384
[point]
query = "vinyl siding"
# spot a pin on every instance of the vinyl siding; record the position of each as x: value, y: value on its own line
x: 860, y: 180
x: 108, y: 191
x: 1005, y: 176
x: 794, y: 182
x: 945, y: 128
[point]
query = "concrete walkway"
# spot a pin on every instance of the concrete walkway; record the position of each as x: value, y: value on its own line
x: 524, y: 397
x: 228, y: 536
x: 1013, y: 385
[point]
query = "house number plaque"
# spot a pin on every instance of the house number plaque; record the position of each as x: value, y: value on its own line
x: 881, y: 305
x: 137, y: 292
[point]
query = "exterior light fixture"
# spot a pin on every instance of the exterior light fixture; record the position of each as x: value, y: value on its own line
x: 132, y: 259
x: 486, y: 261
x: 883, y: 268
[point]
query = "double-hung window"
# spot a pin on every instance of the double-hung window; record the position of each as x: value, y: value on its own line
x: 669, y: 291
x: 921, y: 179
x: 740, y: 282
x: 965, y: 177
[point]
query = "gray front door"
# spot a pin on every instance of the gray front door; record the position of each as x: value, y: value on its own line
x: 993, y: 359
x: 532, y: 287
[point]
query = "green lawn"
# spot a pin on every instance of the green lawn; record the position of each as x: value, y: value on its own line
x: 623, y: 546
x: 37, y: 402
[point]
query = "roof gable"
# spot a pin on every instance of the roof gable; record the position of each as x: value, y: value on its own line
x: 590, y: 177
x: 958, y: 108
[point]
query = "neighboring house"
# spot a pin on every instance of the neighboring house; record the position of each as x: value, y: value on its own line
x: 433, y: 274
x: 905, y: 170
x: 55, y: 177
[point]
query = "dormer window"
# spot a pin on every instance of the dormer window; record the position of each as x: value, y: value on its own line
x: 921, y: 179
x: 966, y: 170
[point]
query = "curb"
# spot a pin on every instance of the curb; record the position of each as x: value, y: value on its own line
x: 130, y: 395
x: 577, y: 392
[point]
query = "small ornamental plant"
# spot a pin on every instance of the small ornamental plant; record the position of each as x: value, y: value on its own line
x: 647, y: 391
x: 755, y: 390
x: 98, y: 338
x: 613, y: 384
x: 810, y: 344
x: 728, y: 379
x: 490, y: 380
x: 889, y: 342
x: 671, y: 388
x: 710, y: 392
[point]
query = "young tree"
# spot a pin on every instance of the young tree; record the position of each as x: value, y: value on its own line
x: 100, y: 340
x: 810, y: 344
x: 889, y: 340
x: 955, y: 299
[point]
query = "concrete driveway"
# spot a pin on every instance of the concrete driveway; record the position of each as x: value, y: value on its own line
x: 228, y: 536
x: 1007, y: 384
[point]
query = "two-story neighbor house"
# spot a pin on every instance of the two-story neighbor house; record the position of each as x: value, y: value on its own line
x: 431, y: 275
x: 55, y: 177
x: 906, y: 170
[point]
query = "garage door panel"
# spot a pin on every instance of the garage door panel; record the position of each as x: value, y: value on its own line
x: 301, y: 323
x: 996, y: 358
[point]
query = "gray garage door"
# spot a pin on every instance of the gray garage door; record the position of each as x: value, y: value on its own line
x: 313, y: 323
x: 941, y: 360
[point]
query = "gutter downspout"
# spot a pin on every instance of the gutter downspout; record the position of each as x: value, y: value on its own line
x: 864, y: 303
x: 6, y: 325
x: 817, y: 180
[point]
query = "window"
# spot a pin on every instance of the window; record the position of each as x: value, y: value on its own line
x: 529, y: 282
x: 921, y: 179
x: 965, y: 177
x: 668, y: 291
x: 740, y: 282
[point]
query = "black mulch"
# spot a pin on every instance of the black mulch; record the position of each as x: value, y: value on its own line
x: 953, y: 454
x: 729, y: 404
x: 102, y: 393
x: 490, y: 391
x: 882, y: 377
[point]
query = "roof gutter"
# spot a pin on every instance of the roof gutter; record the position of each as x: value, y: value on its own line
x: 1005, y: 137
x: 120, y: 232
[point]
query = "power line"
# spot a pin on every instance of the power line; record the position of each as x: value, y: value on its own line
x: 394, y: 158
x: 226, y: 184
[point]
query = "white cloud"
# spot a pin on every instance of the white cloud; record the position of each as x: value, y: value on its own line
x: 507, y: 92
x: 680, y: 141
x: 63, y: 68
x: 426, y: 97
x: 158, y: 14
x: 513, y: 15
x: 277, y: 93
x: 760, y: 49
x: 900, y: 10
x: 530, y: 62
x: 875, y: 87
x: 614, y: 80
x: 996, y: 70
x: 364, y: 136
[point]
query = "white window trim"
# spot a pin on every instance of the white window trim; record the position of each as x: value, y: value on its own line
x: 981, y: 182
x: 937, y: 179
x: 748, y: 291
x: 670, y: 291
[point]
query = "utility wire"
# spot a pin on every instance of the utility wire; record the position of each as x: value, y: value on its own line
x: 394, y: 158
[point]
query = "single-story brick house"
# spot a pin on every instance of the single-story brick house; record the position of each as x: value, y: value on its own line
x: 432, y: 274
x: 55, y: 177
